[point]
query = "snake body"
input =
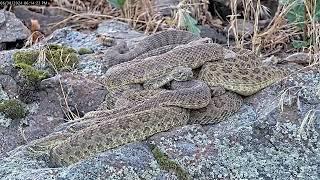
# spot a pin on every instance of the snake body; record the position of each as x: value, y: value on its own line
x: 139, y: 71
x: 161, y: 42
x: 159, y: 109
x: 162, y: 112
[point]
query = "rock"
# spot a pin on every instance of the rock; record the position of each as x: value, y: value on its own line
x: 45, y: 174
x: 165, y: 7
x: 302, y: 91
x: 8, y: 91
x: 39, y: 126
x: 9, y: 85
x: 243, y: 27
x: 11, y: 28
x: 23, y: 166
x: 212, y: 33
x: 74, y: 39
x: 10, y: 138
x: 3, y: 94
x: 92, y: 65
x: 200, y: 150
x: 81, y: 94
x: 255, y: 143
x: 25, y: 15
x: 301, y: 58
x: 132, y: 161
x: 119, y: 31
x: 6, y: 62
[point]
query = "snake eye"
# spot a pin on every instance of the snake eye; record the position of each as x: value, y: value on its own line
x: 182, y: 73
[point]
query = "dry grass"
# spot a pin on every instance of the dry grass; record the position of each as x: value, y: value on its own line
x: 273, y: 38
x: 278, y: 35
x: 312, y: 28
x: 249, y: 12
x: 287, y: 96
x: 41, y: 61
x: 140, y: 14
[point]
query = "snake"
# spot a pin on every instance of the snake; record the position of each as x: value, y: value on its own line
x: 172, y: 94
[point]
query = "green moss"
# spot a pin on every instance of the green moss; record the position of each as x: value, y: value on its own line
x: 61, y: 56
x: 26, y: 57
x: 30, y: 73
x: 167, y: 164
x: 13, y: 109
x: 54, y: 47
x: 82, y: 51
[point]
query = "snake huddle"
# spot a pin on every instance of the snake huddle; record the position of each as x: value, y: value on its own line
x: 170, y: 79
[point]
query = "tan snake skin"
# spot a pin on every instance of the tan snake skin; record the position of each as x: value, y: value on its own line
x: 156, y: 109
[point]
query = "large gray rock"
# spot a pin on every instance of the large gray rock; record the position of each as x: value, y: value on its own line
x: 118, y: 30
x: 132, y: 161
x: 74, y: 39
x: 11, y: 28
x: 6, y: 62
x: 81, y: 96
x: 9, y: 85
x: 10, y: 138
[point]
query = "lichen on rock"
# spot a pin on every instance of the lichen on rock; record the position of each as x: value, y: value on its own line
x: 13, y: 109
x: 82, y: 51
x: 167, y: 164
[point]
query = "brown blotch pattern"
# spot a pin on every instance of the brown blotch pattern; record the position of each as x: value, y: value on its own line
x: 245, y: 78
x: 235, y: 76
x: 256, y: 70
x: 258, y: 78
x: 243, y: 71
x: 226, y: 70
x: 225, y: 76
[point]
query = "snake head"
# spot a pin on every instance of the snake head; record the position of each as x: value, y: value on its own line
x: 114, y: 55
x: 182, y: 73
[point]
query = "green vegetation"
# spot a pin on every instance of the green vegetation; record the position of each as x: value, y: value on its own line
x: 26, y: 57
x: 13, y: 109
x: 82, y: 51
x: 184, y: 19
x: 188, y: 22
x: 167, y: 164
x: 61, y: 57
x: 57, y: 57
x: 117, y: 3
x: 24, y: 61
x: 32, y: 74
x: 303, y: 14
x: 297, y: 12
